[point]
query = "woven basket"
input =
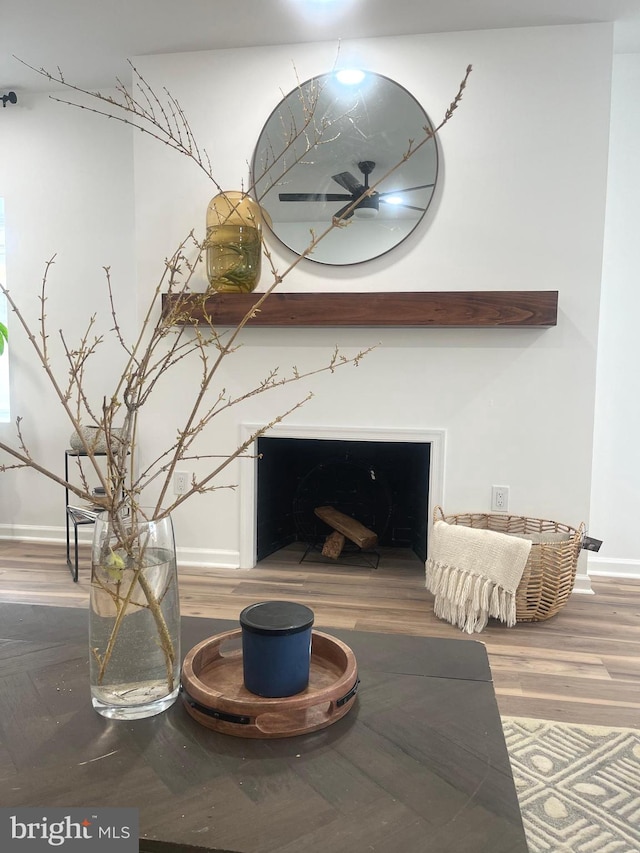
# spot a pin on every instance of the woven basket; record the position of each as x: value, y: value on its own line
x: 550, y: 572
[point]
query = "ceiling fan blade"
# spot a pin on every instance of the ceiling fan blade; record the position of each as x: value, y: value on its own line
x: 408, y: 189
x: 408, y: 206
x: 340, y: 213
x: 313, y: 197
x: 349, y: 182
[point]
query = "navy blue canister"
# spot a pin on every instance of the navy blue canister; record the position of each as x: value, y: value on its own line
x: 276, y: 647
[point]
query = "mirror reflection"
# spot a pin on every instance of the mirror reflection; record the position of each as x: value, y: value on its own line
x: 324, y: 145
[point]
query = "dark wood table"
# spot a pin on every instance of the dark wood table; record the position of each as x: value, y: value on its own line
x: 419, y: 764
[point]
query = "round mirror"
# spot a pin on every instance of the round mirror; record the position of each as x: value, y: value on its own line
x: 327, y: 143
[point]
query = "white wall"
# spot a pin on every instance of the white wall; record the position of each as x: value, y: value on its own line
x: 616, y: 462
x: 516, y: 212
x: 67, y: 181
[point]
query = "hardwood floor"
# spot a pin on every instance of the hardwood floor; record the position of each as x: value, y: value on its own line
x: 583, y: 665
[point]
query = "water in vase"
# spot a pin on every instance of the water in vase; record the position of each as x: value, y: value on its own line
x: 135, y: 636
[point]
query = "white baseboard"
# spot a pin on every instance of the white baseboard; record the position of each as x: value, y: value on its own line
x: 582, y: 585
x: 221, y: 559
x: 208, y: 558
x: 202, y: 557
x: 613, y: 567
x: 40, y: 533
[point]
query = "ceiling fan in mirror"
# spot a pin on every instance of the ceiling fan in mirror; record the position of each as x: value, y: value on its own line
x: 308, y: 174
x: 369, y: 205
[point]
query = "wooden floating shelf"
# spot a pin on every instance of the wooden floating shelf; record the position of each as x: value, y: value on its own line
x: 455, y: 309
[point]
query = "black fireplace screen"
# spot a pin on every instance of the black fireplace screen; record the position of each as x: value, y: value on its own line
x: 356, y: 488
x: 383, y: 485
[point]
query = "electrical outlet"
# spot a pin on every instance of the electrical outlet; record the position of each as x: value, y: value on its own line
x: 180, y: 482
x: 499, y: 498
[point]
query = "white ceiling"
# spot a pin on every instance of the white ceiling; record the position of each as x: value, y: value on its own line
x: 91, y: 39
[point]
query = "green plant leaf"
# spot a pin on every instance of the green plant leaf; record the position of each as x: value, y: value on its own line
x: 4, y: 336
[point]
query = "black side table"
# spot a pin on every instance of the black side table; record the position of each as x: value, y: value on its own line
x: 74, y: 516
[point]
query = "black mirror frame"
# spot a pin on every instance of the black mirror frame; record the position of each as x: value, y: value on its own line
x: 423, y: 166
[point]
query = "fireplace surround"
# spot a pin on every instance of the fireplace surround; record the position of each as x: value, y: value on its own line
x: 398, y: 474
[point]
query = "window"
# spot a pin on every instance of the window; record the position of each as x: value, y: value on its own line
x: 5, y: 415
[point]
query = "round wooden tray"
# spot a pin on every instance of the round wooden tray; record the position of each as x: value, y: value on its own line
x: 214, y: 694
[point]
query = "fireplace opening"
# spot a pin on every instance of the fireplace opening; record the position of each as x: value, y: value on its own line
x: 381, y: 484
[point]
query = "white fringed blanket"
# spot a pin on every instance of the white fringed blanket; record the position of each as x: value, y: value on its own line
x: 473, y: 574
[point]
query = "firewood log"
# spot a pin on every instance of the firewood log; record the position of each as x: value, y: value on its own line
x: 333, y: 545
x: 352, y: 529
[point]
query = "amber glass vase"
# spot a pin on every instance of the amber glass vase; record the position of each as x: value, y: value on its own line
x: 234, y: 243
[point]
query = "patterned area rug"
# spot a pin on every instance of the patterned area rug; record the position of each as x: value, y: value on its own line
x: 578, y: 786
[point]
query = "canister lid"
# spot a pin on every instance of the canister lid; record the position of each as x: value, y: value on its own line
x: 276, y: 617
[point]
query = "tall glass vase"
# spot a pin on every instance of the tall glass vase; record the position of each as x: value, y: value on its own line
x: 134, y: 616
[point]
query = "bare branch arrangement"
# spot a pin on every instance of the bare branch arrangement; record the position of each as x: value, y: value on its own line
x: 161, y: 343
